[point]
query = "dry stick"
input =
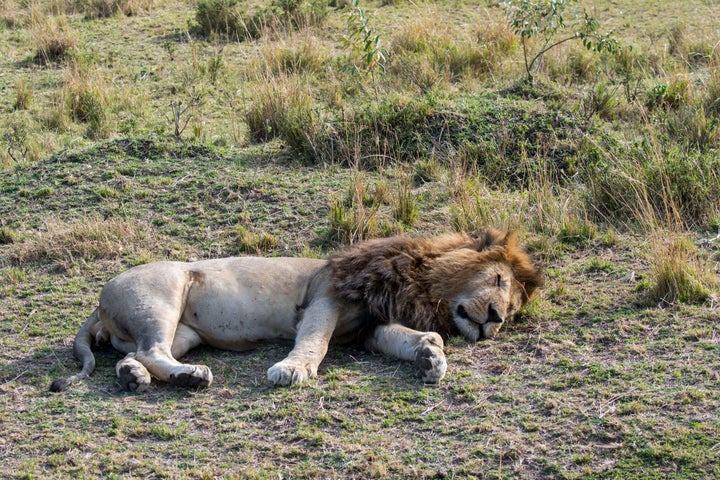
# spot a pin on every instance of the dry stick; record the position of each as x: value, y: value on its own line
x: 432, y: 407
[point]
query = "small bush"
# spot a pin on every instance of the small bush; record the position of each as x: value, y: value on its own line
x: 601, y: 101
x: 7, y: 235
x: 663, y: 180
x: 359, y: 216
x: 711, y: 88
x: 415, y: 36
x: 672, y: 94
x: 691, y: 126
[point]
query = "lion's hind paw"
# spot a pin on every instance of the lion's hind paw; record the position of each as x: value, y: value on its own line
x: 133, y: 376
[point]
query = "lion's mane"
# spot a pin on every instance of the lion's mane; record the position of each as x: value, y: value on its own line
x: 405, y: 280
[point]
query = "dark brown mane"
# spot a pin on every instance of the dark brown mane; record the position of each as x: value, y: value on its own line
x: 405, y: 279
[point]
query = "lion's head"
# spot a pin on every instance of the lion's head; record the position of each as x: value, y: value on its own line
x: 462, y: 284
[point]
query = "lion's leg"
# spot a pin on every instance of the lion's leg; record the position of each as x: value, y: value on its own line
x: 159, y: 358
x: 425, y: 349
x: 311, y: 343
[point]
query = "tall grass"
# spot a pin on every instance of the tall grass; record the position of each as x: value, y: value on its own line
x: 107, y: 8
x: 359, y: 215
x: 52, y: 37
x: 282, y: 107
x: 85, y: 91
x: 302, y: 53
x: 235, y: 20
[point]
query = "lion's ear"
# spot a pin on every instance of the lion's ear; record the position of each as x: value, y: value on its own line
x: 490, y: 238
x: 510, y: 242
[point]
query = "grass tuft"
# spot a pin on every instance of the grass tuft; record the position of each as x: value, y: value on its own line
x: 678, y: 275
x: 53, y: 39
x: 254, y: 242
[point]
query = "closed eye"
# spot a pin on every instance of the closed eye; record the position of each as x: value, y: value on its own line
x: 498, y: 279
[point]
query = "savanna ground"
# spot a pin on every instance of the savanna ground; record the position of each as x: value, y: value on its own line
x: 138, y: 131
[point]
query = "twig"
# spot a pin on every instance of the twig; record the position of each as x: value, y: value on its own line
x: 13, y: 379
x: 431, y: 408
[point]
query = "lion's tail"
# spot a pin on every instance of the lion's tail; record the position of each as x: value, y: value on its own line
x: 81, y: 348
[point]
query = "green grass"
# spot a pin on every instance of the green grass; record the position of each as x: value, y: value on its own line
x: 607, y: 165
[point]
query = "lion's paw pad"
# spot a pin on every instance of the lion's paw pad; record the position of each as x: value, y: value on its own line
x: 289, y: 373
x: 430, y: 364
x: 195, y: 376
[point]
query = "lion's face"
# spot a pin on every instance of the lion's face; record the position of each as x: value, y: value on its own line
x: 488, y: 300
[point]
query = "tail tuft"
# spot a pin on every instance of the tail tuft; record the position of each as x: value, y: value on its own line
x: 60, y: 384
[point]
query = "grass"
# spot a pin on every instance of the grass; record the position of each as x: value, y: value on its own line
x: 131, y: 132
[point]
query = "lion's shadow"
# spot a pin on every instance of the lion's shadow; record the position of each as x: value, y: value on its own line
x: 236, y: 371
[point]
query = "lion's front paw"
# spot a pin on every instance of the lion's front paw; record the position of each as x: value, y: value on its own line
x: 430, y: 364
x: 194, y: 376
x: 289, y: 372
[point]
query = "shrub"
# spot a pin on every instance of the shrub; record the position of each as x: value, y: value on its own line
x: 692, y: 126
x: 663, y: 180
x: 672, y: 94
x: 7, y: 235
x: 601, y: 101
x: 406, y: 208
x: 358, y: 216
x: 545, y: 20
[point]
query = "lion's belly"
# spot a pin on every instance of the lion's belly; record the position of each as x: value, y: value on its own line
x: 238, y: 302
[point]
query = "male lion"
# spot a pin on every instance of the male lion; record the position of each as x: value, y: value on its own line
x: 399, y: 296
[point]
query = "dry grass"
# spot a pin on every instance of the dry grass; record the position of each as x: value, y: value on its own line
x: 86, y: 95
x: 299, y: 53
x: 107, y: 8
x: 83, y: 240
x: 53, y: 39
x: 256, y: 243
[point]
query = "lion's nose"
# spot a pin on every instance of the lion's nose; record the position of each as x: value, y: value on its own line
x: 493, y: 315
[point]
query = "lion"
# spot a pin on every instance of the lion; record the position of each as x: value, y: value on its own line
x: 400, y: 296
